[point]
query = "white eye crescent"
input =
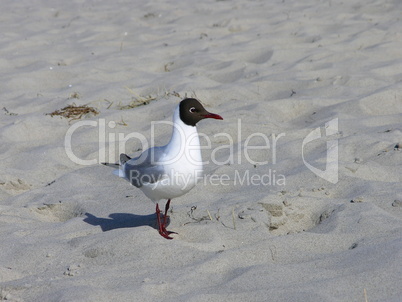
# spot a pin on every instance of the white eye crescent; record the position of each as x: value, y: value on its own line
x: 192, y: 109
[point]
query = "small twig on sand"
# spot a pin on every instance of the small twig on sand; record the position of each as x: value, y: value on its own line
x: 209, y: 214
x: 365, y: 295
x: 234, y: 220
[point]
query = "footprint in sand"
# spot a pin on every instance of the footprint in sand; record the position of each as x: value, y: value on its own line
x: 231, y: 71
x: 180, y: 63
x: 288, y: 218
x: 259, y: 57
x: 59, y: 212
x: 292, y: 214
x: 228, y: 76
x: 14, y: 187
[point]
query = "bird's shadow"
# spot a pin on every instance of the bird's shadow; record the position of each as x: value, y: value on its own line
x: 121, y: 220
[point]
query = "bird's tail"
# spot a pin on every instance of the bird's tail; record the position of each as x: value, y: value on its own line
x: 124, y: 158
x: 119, y: 172
x: 117, y: 166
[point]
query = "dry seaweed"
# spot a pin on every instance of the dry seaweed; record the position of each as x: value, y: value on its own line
x: 74, y: 112
x: 137, y: 102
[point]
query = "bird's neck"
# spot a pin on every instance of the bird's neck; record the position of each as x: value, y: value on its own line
x: 184, y: 140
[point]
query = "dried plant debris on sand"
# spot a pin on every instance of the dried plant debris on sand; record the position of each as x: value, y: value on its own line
x: 74, y: 112
x: 138, y: 100
x: 136, y: 103
x: 6, y: 112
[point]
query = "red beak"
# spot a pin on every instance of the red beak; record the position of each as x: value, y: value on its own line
x: 213, y: 115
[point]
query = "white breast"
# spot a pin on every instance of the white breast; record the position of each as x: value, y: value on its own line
x: 182, y: 162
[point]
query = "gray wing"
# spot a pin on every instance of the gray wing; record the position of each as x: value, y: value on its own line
x: 143, y: 169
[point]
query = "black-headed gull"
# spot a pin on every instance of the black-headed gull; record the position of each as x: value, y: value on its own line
x: 172, y: 170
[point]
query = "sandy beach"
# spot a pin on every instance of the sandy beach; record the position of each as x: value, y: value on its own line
x: 301, y: 198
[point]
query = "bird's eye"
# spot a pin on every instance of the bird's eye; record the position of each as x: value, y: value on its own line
x: 192, y: 109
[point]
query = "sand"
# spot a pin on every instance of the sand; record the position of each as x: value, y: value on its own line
x: 261, y: 225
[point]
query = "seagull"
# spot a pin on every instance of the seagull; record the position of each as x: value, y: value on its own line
x: 170, y: 171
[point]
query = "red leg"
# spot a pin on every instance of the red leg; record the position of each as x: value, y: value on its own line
x: 161, y: 226
x: 166, y: 210
x: 165, y: 218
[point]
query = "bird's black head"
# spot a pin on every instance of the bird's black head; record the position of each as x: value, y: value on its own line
x: 191, y: 112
